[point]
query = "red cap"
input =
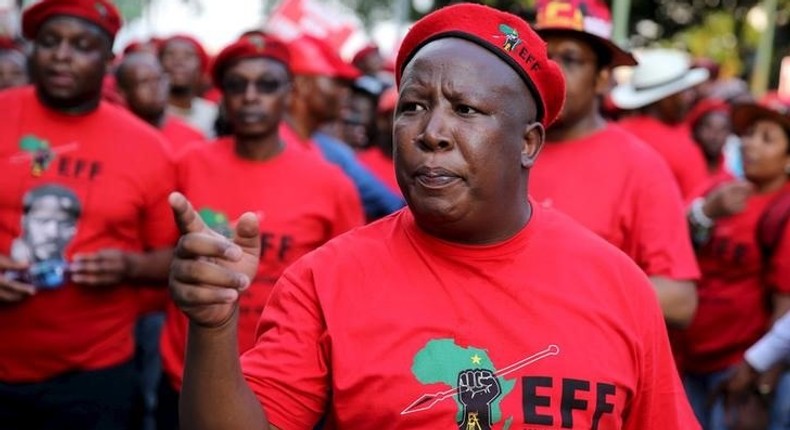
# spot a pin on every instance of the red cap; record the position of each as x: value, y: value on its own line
x: 745, y: 115
x: 704, y: 107
x: 8, y: 44
x: 388, y: 100
x: 587, y: 19
x: 312, y: 56
x: 364, y: 52
x: 201, y: 52
x: 504, y: 34
x: 249, y: 46
x: 99, y: 12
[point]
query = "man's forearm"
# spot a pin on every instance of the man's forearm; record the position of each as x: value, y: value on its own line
x: 678, y: 300
x: 149, y: 265
x: 214, y: 394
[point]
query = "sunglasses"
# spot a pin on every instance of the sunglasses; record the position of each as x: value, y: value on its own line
x: 237, y: 86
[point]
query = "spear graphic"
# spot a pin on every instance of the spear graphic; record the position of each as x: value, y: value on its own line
x: 427, y: 401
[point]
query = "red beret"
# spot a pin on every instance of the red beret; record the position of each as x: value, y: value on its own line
x: 705, y: 107
x: 313, y: 56
x: 504, y: 34
x: 201, y: 52
x: 364, y: 52
x: 249, y: 46
x: 100, y: 12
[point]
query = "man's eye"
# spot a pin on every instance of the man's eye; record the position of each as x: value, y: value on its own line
x: 410, y: 107
x: 465, y: 109
x: 47, y: 41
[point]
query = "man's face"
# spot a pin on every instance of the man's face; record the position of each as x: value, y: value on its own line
x: 256, y: 93
x: 358, y: 118
x: 181, y: 62
x: 69, y: 61
x: 461, y: 136
x: 583, y: 81
x: 48, y: 227
x: 326, y: 96
x: 13, y: 72
x: 146, y: 88
x: 711, y: 133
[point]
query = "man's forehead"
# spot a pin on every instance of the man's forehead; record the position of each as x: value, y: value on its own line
x: 73, y: 23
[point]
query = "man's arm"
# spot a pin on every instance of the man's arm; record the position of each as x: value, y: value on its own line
x: 208, y: 274
x: 113, y: 266
x: 678, y: 300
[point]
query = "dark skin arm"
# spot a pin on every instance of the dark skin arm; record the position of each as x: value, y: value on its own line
x: 678, y: 300
x: 207, y: 276
x: 113, y: 266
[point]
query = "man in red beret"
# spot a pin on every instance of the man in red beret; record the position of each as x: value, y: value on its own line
x: 185, y: 63
x: 473, y: 308
x: 85, y: 216
x: 603, y: 176
x: 305, y: 201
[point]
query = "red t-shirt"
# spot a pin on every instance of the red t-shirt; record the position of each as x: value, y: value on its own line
x: 732, y: 313
x: 293, y: 140
x: 301, y: 202
x: 675, y: 144
x: 180, y: 134
x: 91, y: 182
x: 381, y: 166
x: 616, y: 186
x: 387, y: 327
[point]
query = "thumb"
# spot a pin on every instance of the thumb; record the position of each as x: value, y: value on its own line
x: 247, y: 234
x: 186, y: 217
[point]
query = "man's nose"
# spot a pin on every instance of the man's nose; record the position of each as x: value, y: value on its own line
x: 435, y: 135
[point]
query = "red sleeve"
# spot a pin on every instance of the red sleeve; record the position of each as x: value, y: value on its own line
x: 660, y: 401
x: 348, y: 210
x: 660, y: 237
x: 159, y: 227
x: 288, y: 368
x: 778, y: 276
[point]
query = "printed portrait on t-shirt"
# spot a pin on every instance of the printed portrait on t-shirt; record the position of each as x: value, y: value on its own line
x: 49, y: 223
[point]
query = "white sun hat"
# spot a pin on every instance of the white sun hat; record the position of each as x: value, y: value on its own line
x: 660, y: 73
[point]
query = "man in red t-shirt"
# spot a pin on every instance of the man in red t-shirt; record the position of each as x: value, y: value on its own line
x: 474, y: 308
x: 601, y: 175
x: 659, y: 96
x: 303, y: 201
x: 144, y: 87
x: 85, y: 221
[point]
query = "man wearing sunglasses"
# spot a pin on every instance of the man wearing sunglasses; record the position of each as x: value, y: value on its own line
x: 302, y: 202
x: 600, y: 174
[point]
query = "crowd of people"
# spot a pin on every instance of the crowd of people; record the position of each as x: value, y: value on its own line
x: 489, y: 232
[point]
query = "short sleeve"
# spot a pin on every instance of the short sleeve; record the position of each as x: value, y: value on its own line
x: 659, y: 236
x: 348, y: 207
x: 159, y: 227
x: 778, y: 276
x: 660, y: 401
x: 288, y: 368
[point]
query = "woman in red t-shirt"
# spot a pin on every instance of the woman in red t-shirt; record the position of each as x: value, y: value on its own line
x: 744, y: 288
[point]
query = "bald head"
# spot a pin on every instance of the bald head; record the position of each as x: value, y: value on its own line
x: 13, y: 69
x: 131, y: 63
x: 143, y: 84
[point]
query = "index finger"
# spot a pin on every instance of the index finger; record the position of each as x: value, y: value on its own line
x: 186, y: 217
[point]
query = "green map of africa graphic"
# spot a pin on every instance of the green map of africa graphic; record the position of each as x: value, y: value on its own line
x: 441, y: 360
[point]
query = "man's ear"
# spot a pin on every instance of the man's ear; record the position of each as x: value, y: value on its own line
x: 534, y: 137
x: 603, y: 81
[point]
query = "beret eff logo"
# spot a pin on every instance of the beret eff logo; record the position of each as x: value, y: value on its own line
x: 512, y: 38
x: 101, y: 10
x: 257, y: 41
